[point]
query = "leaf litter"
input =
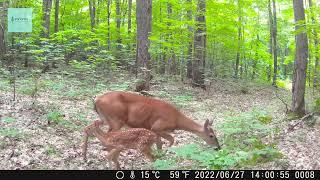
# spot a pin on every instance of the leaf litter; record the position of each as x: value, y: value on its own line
x: 32, y: 143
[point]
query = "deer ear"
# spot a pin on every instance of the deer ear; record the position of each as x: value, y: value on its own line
x: 206, y: 123
x: 210, y: 123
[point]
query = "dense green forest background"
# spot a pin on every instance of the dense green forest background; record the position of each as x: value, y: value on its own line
x: 243, y: 39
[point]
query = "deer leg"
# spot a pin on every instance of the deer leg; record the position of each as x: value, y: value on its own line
x: 147, y: 152
x: 159, y: 142
x: 115, y: 125
x: 159, y: 127
x: 168, y: 137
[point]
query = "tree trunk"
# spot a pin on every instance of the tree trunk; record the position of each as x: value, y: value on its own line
x: 108, y: 22
x: 239, y: 41
x: 300, y: 65
x: 56, y: 16
x: 199, y: 45
x: 255, y: 61
x: 189, y: 63
x: 162, y: 65
x: 143, y: 16
x: 274, y: 37
x: 118, y: 20
x: 271, y: 38
x: 46, y: 9
x: 129, y: 15
x: 3, y: 28
x: 316, y: 45
x: 172, y: 58
x: 92, y: 11
x: 98, y: 10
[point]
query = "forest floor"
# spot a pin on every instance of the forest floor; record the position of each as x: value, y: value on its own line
x: 29, y: 141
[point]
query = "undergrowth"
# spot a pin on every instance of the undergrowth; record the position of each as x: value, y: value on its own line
x: 242, y: 145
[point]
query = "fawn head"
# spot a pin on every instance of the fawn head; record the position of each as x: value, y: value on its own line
x: 209, y: 136
x: 90, y: 130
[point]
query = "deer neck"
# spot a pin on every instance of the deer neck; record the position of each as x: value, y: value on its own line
x: 186, y: 124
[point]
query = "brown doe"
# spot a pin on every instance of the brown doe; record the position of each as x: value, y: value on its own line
x: 118, y: 109
x: 116, y: 141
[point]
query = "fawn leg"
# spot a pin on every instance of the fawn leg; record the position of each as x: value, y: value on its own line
x: 85, y: 146
x: 85, y: 138
x: 113, y: 156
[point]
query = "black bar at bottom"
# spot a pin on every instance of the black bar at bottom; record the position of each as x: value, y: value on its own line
x: 158, y: 174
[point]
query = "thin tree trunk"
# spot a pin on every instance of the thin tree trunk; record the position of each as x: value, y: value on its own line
x: 189, y: 63
x: 239, y: 47
x: 46, y: 9
x: 162, y: 69
x: 129, y: 15
x: 56, y: 16
x: 118, y: 21
x: 92, y: 11
x: 301, y: 58
x: 199, y: 45
x: 316, y: 45
x: 108, y: 22
x: 172, y: 58
x: 274, y: 37
x: 144, y: 18
x: 98, y: 10
x: 3, y: 28
x: 239, y: 40
x: 271, y: 38
x: 255, y: 61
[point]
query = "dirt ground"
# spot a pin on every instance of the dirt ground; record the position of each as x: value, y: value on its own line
x: 29, y: 142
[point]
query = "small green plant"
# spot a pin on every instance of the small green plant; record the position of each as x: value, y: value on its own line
x: 72, y: 94
x: 262, y: 115
x: 32, y: 86
x: 3, y: 144
x: 11, y: 133
x: 285, y: 84
x: 55, y: 116
x: 182, y: 100
x: 51, y: 151
x: 8, y: 119
x: 164, y: 164
x: 316, y: 106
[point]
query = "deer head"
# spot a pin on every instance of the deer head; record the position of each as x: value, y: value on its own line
x: 209, y: 136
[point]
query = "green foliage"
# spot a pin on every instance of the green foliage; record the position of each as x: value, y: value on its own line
x: 242, y: 144
x: 11, y: 133
x: 285, y: 84
x: 51, y: 151
x: 182, y: 100
x: 163, y: 164
x: 8, y: 119
x: 316, y: 106
x: 55, y: 116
